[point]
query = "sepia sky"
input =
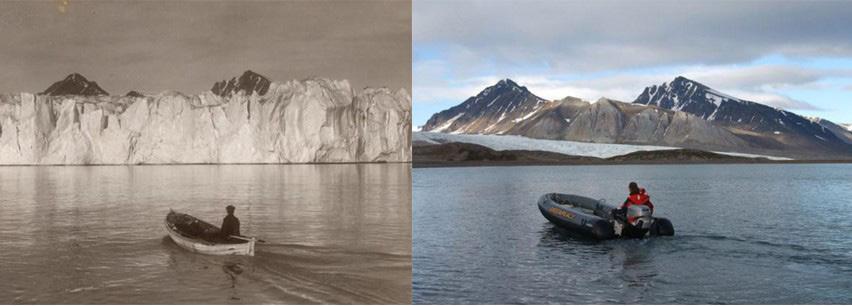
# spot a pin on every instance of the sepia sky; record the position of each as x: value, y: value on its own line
x: 790, y: 54
x: 152, y: 46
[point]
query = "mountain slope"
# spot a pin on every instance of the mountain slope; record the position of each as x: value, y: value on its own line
x: 494, y: 110
x: 75, y: 84
x: 843, y: 131
x: 763, y: 126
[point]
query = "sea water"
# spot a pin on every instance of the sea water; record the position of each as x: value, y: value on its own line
x: 80, y: 235
x: 745, y: 234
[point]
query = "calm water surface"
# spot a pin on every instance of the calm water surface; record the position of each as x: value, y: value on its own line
x: 745, y: 234
x: 77, y: 235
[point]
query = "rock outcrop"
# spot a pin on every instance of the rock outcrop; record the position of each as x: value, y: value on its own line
x: 75, y: 84
x: 248, y: 83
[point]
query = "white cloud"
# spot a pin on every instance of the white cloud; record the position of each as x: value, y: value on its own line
x: 772, y: 99
x: 756, y: 50
x: 589, y: 36
x: 431, y: 83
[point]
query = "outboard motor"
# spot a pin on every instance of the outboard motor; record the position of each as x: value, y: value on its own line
x: 641, y: 216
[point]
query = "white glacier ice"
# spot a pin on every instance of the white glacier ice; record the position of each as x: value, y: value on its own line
x: 512, y: 142
x: 307, y: 121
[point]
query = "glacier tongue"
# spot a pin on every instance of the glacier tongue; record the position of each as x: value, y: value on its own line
x: 315, y: 120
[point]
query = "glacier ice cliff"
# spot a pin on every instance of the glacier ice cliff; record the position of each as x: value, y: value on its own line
x: 308, y: 121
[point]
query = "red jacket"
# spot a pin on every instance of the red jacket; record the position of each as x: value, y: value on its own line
x: 640, y: 198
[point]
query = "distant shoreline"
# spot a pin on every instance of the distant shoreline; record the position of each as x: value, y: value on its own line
x: 198, y: 164
x: 461, y: 154
x: 466, y: 164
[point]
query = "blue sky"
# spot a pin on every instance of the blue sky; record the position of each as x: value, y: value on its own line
x: 788, y: 54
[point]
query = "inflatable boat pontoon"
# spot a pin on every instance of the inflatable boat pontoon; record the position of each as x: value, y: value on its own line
x: 594, y: 218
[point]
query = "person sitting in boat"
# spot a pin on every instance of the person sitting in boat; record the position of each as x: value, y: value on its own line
x: 637, y: 196
x: 230, y: 225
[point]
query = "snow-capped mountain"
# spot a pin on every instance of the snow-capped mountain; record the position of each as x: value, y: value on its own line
x: 682, y: 113
x: 771, y: 127
x: 313, y: 120
x: 249, y: 83
x: 74, y: 84
x: 507, y: 108
x: 495, y: 110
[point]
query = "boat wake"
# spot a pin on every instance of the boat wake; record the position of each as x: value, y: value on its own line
x: 303, y: 274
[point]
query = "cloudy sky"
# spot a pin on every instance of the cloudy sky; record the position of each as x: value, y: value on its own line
x: 795, y: 55
x: 152, y: 46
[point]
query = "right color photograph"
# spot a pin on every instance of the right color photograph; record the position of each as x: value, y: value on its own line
x: 632, y: 152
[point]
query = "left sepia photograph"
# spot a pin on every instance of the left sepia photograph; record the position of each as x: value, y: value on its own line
x: 205, y: 152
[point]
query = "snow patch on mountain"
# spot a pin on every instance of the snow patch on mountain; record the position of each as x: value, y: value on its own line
x: 527, y: 116
x: 448, y: 123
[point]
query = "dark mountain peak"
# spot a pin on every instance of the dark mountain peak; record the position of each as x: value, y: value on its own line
x: 508, y: 84
x: 76, y: 77
x: 506, y: 89
x: 682, y: 79
x: 251, y: 75
x: 502, y: 87
x: 134, y: 94
x: 249, y: 82
x: 684, y: 94
x: 75, y: 84
x: 492, y: 109
x: 681, y: 82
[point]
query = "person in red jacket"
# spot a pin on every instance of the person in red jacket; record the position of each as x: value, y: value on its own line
x: 637, y: 196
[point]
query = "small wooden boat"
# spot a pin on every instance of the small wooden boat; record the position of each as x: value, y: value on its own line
x: 198, y: 236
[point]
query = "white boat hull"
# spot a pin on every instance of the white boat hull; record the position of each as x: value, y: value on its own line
x: 208, y: 248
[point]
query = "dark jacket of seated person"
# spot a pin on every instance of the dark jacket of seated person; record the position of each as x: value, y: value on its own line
x: 231, y: 224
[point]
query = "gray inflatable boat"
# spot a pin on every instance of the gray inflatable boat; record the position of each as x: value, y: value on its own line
x: 594, y: 218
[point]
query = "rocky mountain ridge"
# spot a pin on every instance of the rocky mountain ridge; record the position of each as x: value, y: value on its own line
x: 680, y: 113
x: 769, y: 126
x: 248, y: 83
